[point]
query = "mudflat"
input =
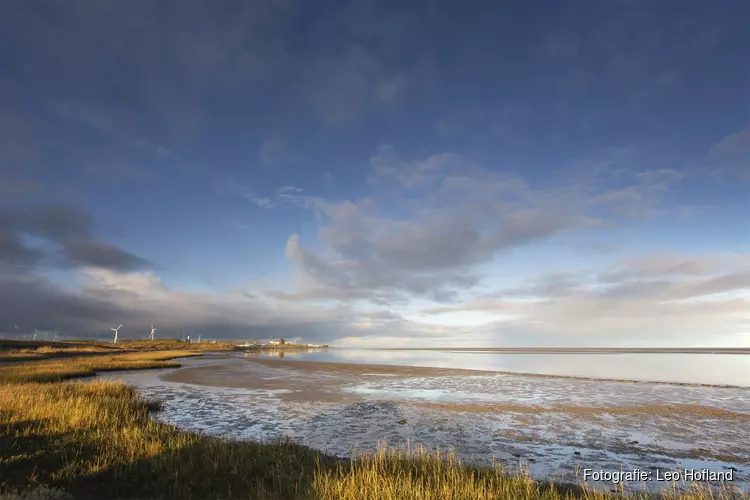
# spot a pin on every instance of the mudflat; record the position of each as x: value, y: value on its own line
x: 223, y: 376
x: 300, y: 380
x: 554, y: 422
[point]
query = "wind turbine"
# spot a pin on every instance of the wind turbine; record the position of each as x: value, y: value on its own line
x: 116, y: 330
x: 151, y: 337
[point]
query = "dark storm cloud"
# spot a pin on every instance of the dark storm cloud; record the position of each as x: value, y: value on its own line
x: 100, y: 254
x: 67, y: 239
x: 139, y: 299
x: 14, y: 253
x: 31, y: 302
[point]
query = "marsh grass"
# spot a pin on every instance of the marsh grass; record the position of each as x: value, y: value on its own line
x: 172, y: 344
x: 15, y: 350
x: 98, y: 440
x: 392, y: 474
x: 55, y: 370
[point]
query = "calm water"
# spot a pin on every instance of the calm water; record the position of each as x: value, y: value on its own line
x: 718, y: 369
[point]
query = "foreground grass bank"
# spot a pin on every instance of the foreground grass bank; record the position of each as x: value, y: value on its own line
x: 98, y: 440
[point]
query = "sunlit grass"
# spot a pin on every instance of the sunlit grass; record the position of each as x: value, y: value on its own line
x: 41, y: 346
x: 391, y: 474
x: 54, y: 370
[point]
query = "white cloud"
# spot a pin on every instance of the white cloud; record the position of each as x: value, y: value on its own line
x: 665, y: 296
x: 389, y: 167
x: 462, y: 216
x: 262, y: 202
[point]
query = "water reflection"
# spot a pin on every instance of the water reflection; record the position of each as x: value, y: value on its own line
x: 278, y: 353
x: 718, y: 369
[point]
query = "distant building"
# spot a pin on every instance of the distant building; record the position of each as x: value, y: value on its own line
x: 273, y: 342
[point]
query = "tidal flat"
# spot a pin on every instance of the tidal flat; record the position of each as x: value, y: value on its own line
x: 549, y: 426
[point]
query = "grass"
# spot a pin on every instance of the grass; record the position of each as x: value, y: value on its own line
x: 25, y: 350
x: 391, y: 474
x: 163, y: 344
x: 56, y: 370
x: 99, y: 440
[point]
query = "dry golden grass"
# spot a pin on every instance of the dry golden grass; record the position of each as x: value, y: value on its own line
x: 62, y: 369
x: 171, y: 344
x: 75, y: 349
x: 41, y: 346
x: 48, y: 352
x: 98, y: 440
x: 392, y: 474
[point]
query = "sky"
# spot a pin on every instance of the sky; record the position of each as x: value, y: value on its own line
x: 377, y: 174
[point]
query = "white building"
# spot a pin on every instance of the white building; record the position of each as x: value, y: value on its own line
x: 273, y: 342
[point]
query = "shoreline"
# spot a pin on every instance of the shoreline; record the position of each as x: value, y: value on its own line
x: 417, y: 371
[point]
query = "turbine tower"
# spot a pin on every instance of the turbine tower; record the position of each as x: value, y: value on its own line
x: 116, y: 330
x: 151, y: 337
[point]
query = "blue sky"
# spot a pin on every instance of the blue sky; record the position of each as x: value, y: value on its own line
x: 378, y: 173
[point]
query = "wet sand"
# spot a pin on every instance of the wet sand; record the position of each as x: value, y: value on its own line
x: 324, y: 382
x: 660, y: 410
x: 344, y: 369
x: 551, y: 425
x: 208, y: 376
